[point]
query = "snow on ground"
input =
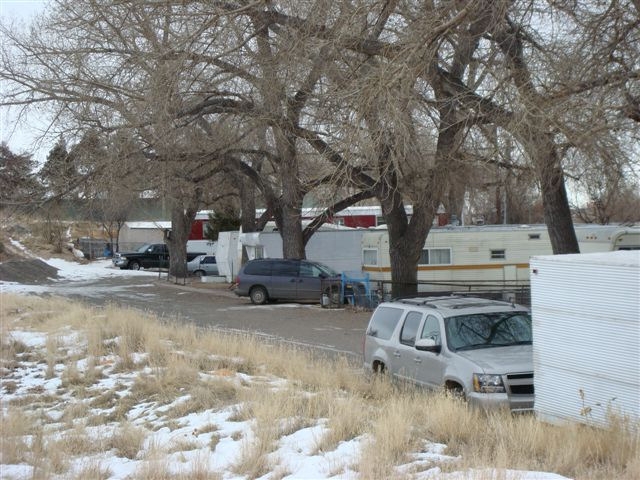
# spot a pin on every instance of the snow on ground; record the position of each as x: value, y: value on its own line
x: 95, y: 269
x: 70, y: 273
x: 295, y: 454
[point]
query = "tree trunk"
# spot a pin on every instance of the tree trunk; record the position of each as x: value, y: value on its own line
x: 181, y: 221
x: 557, y: 213
x: 247, y: 205
x: 406, y: 241
x: 290, y: 219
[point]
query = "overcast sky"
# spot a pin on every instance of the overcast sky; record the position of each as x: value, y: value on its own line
x: 21, y: 137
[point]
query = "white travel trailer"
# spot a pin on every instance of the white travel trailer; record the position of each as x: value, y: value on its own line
x: 227, y: 256
x: 491, y: 255
x: 586, y: 336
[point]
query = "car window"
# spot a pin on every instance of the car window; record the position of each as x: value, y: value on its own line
x: 284, y: 269
x: 258, y: 268
x: 310, y: 270
x: 431, y: 329
x: 330, y: 272
x: 410, y: 328
x: 383, y: 322
x: 209, y: 259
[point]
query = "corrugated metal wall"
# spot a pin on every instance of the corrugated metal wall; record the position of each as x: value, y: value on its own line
x: 586, y: 335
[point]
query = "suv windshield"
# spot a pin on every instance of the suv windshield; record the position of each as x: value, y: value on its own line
x: 483, y: 330
x: 143, y: 248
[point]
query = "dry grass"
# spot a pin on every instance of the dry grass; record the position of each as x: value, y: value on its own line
x: 165, y: 363
x: 348, y: 418
x: 15, y: 425
x: 127, y: 440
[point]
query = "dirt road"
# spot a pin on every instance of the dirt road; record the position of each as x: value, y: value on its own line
x: 216, y: 307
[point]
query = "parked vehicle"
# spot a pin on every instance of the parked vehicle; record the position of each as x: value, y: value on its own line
x: 286, y: 279
x: 147, y: 256
x: 203, y: 265
x: 478, y: 348
x: 155, y: 255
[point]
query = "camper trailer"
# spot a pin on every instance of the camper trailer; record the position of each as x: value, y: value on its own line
x: 338, y: 248
x: 490, y: 255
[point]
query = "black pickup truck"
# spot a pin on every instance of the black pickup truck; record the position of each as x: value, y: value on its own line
x: 154, y: 255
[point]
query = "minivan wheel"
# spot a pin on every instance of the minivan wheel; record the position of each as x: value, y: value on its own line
x: 258, y: 295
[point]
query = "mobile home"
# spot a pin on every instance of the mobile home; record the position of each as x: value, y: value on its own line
x: 491, y: 254
x: 340, y: 249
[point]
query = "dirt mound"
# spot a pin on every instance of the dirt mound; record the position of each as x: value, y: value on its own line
x: 27, y: 270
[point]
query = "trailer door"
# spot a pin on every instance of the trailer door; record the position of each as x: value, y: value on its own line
x: 510, y: 273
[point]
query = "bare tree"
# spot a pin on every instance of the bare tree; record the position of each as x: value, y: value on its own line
x: 126, y: 67
x: 345, y: 100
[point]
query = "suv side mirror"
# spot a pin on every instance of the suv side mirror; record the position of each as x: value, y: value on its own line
x: 427, y: 345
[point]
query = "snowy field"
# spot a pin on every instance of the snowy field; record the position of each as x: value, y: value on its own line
x: 207, y: 443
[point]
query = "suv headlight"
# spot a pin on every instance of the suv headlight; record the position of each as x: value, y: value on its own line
x: 484, y: 383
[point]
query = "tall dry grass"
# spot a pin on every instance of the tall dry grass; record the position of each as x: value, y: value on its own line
x: 168, y: 361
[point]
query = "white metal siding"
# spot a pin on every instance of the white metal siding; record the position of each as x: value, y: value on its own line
x: 586, y: 335
x: 340, y: 250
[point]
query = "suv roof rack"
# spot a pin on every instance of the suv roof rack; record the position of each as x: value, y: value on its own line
x: 426, y: 299
x: 433, y: 300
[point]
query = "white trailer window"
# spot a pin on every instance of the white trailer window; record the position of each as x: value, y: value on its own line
x: 370, y: 256
x: 435, y: 256
x: 498, y: 254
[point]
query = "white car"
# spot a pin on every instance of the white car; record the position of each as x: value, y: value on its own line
x: 203, y: 265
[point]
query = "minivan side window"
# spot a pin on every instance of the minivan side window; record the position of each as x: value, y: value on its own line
x: 309, y: 270
x: 410, y: 328
x: 285, y: 269
x: 384, y: 321
x: 258, y: 268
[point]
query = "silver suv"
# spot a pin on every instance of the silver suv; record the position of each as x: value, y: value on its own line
x: 474, y: 347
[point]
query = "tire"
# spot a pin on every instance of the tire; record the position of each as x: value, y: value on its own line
x: 200, y: 273
x: 258, y: 295
x: 455, y: 391
x: 134, y: 265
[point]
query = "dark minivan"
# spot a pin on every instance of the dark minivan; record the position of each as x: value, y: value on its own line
x: 268, y: 279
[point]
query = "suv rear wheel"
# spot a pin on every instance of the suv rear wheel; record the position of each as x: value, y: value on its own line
x: 258, y: 295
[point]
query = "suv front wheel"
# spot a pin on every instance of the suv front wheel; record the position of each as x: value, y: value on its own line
x: 258, y: 295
